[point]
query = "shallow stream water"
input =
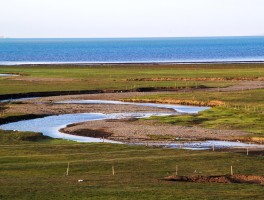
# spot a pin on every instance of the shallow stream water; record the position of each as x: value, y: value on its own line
x: 51, y: 125
x: 6, y: 75
x: 18, y: 99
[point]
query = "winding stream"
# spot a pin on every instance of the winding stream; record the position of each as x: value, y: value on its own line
x: 7, y: 75
x: 18, y: 99
x: 51, y: 125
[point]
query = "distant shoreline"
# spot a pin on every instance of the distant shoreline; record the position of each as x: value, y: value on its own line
x: 154, y: 51
x: 128, y: 63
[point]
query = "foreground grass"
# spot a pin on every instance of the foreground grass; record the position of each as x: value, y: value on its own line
x: 122, y: 77
x: 36, y: 170
x: 242, y: 110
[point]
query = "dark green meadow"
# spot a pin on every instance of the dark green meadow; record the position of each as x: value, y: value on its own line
x: 37, y: 170
x: 34, y: 167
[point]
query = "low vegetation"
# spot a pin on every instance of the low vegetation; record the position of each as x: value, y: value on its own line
x: 37, y: 170
x: 124, y: 77
x: 242, y: 110
x: 16, y: 137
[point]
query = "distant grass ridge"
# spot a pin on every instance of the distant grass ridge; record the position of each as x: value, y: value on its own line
x: 50, y: 78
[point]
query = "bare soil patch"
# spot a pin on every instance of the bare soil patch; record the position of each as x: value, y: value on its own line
x: 132, y: 130
x: 100, y: 133
x: 242, y: 85
x: 56, y: 109
x: 251, y: 179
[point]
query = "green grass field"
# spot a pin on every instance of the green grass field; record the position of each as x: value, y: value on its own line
x: 36, y: 170
x: 116, y: 77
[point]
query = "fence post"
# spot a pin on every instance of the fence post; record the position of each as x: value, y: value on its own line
x: 68, y: 169
x: 113, y: 170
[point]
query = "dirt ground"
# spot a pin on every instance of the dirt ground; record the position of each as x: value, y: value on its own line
x: 242, y: 85
x: 149, y: 130
x: 219, y: 179
x: 56, y: 109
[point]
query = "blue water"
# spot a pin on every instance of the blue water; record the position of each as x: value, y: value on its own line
x: 215, y: 49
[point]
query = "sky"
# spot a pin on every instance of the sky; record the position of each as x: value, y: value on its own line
x: 130, y: 18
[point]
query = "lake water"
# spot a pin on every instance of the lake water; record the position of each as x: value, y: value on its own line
x: 133, y: 50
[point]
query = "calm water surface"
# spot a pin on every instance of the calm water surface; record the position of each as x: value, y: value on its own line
x: 214, y: 49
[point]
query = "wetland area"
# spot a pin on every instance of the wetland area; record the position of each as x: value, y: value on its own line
x: 123, y: 128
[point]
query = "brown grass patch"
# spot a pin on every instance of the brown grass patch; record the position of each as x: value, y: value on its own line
x: 218, y: 179
x: 182, y: 102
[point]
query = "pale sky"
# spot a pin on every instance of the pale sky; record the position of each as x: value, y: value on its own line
x: 130, y: 18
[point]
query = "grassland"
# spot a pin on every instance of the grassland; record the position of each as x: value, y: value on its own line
x: 124, y: 77
x: 36, y: 170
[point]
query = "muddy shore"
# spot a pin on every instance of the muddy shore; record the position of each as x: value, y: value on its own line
x: 249, y: 179
x: 129, y: 130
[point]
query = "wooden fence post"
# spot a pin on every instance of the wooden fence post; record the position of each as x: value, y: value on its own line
x: 68, y: 169
x: 113, y: 170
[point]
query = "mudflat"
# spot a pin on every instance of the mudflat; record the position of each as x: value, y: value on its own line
x: 149, y: 131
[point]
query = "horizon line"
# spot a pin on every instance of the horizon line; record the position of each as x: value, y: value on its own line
x: 151, y: 37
